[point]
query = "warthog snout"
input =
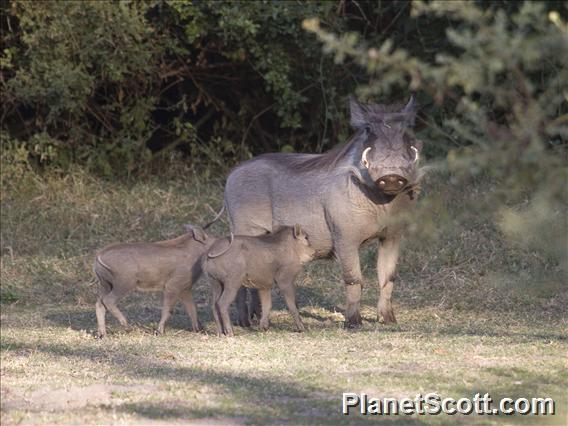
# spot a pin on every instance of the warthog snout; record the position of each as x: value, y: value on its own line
x: 391, y: 184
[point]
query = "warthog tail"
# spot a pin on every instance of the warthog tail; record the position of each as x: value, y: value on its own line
x: 104, y: 265
x: 216, y: 217
x: 101, y: 274
x: 222, y: 252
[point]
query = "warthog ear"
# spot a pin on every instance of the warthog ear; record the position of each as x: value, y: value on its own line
x: 198, y: 233
x: 297, y: 231
x: 410, y: 111
x: 359, y: 117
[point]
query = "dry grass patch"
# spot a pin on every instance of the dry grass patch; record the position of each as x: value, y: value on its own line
x: 476, y: 314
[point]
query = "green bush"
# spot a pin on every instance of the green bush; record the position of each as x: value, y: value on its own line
x: 121, y: 86
x: 80, y: 82
x: 112, y: 84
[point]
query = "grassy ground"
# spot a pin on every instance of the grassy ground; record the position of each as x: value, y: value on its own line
x: 475, y: 315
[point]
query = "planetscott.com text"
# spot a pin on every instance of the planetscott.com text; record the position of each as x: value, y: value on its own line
x: 434, y: 404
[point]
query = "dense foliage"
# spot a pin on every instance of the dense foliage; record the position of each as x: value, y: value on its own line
x: 112, y: 84
x: 107, y: 84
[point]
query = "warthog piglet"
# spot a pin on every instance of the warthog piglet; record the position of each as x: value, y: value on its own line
x: 256, y: 262
x: 170, y: 266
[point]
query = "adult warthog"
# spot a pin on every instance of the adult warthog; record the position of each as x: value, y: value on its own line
x: 342, y: 198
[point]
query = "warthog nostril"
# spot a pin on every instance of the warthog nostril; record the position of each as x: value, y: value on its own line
x: 391, y: 183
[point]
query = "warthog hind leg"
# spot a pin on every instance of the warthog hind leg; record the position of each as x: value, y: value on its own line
x: 216, y: 291
x: 100, y: 307
x: 266, y: 304
x: 255, y: 310
x: 241, y: 225
x: 242, y: 308
x: 109, y: 301
x: 170, y: 299
x: 191, y: 309
x: 227, y: 297
x: 101, y: 325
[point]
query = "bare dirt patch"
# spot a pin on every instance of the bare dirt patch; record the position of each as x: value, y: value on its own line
x: 73, y: 397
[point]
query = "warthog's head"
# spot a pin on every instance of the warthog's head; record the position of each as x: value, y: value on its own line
x: 303, y: 246
x: 389, y: 156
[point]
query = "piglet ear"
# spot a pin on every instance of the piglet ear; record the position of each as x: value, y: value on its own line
x: 297, y: 231
x: 198, y: 233
x: 359, y: 117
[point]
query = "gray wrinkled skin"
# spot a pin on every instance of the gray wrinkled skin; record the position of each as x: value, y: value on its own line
x: 256, y: 262
x: 170, y: 266
x: 337, y: 198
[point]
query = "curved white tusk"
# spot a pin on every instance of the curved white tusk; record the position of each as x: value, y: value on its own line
x: 417, y: 155
x: 364, y: 160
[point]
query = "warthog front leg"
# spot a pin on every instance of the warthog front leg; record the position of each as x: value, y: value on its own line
x: 386, y: 265
x: 288, y: 290
x: 348, y: 256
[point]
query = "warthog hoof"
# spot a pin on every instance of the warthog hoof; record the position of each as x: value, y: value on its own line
x: 255, y: 313
x: 197, y: 328
x: 352, y: 325
x: 264, y: 325
x: 387, y: 315
x: 389, y: 319
x: 244, y: 320
x: 100, y: 335
x: 354, y: 322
